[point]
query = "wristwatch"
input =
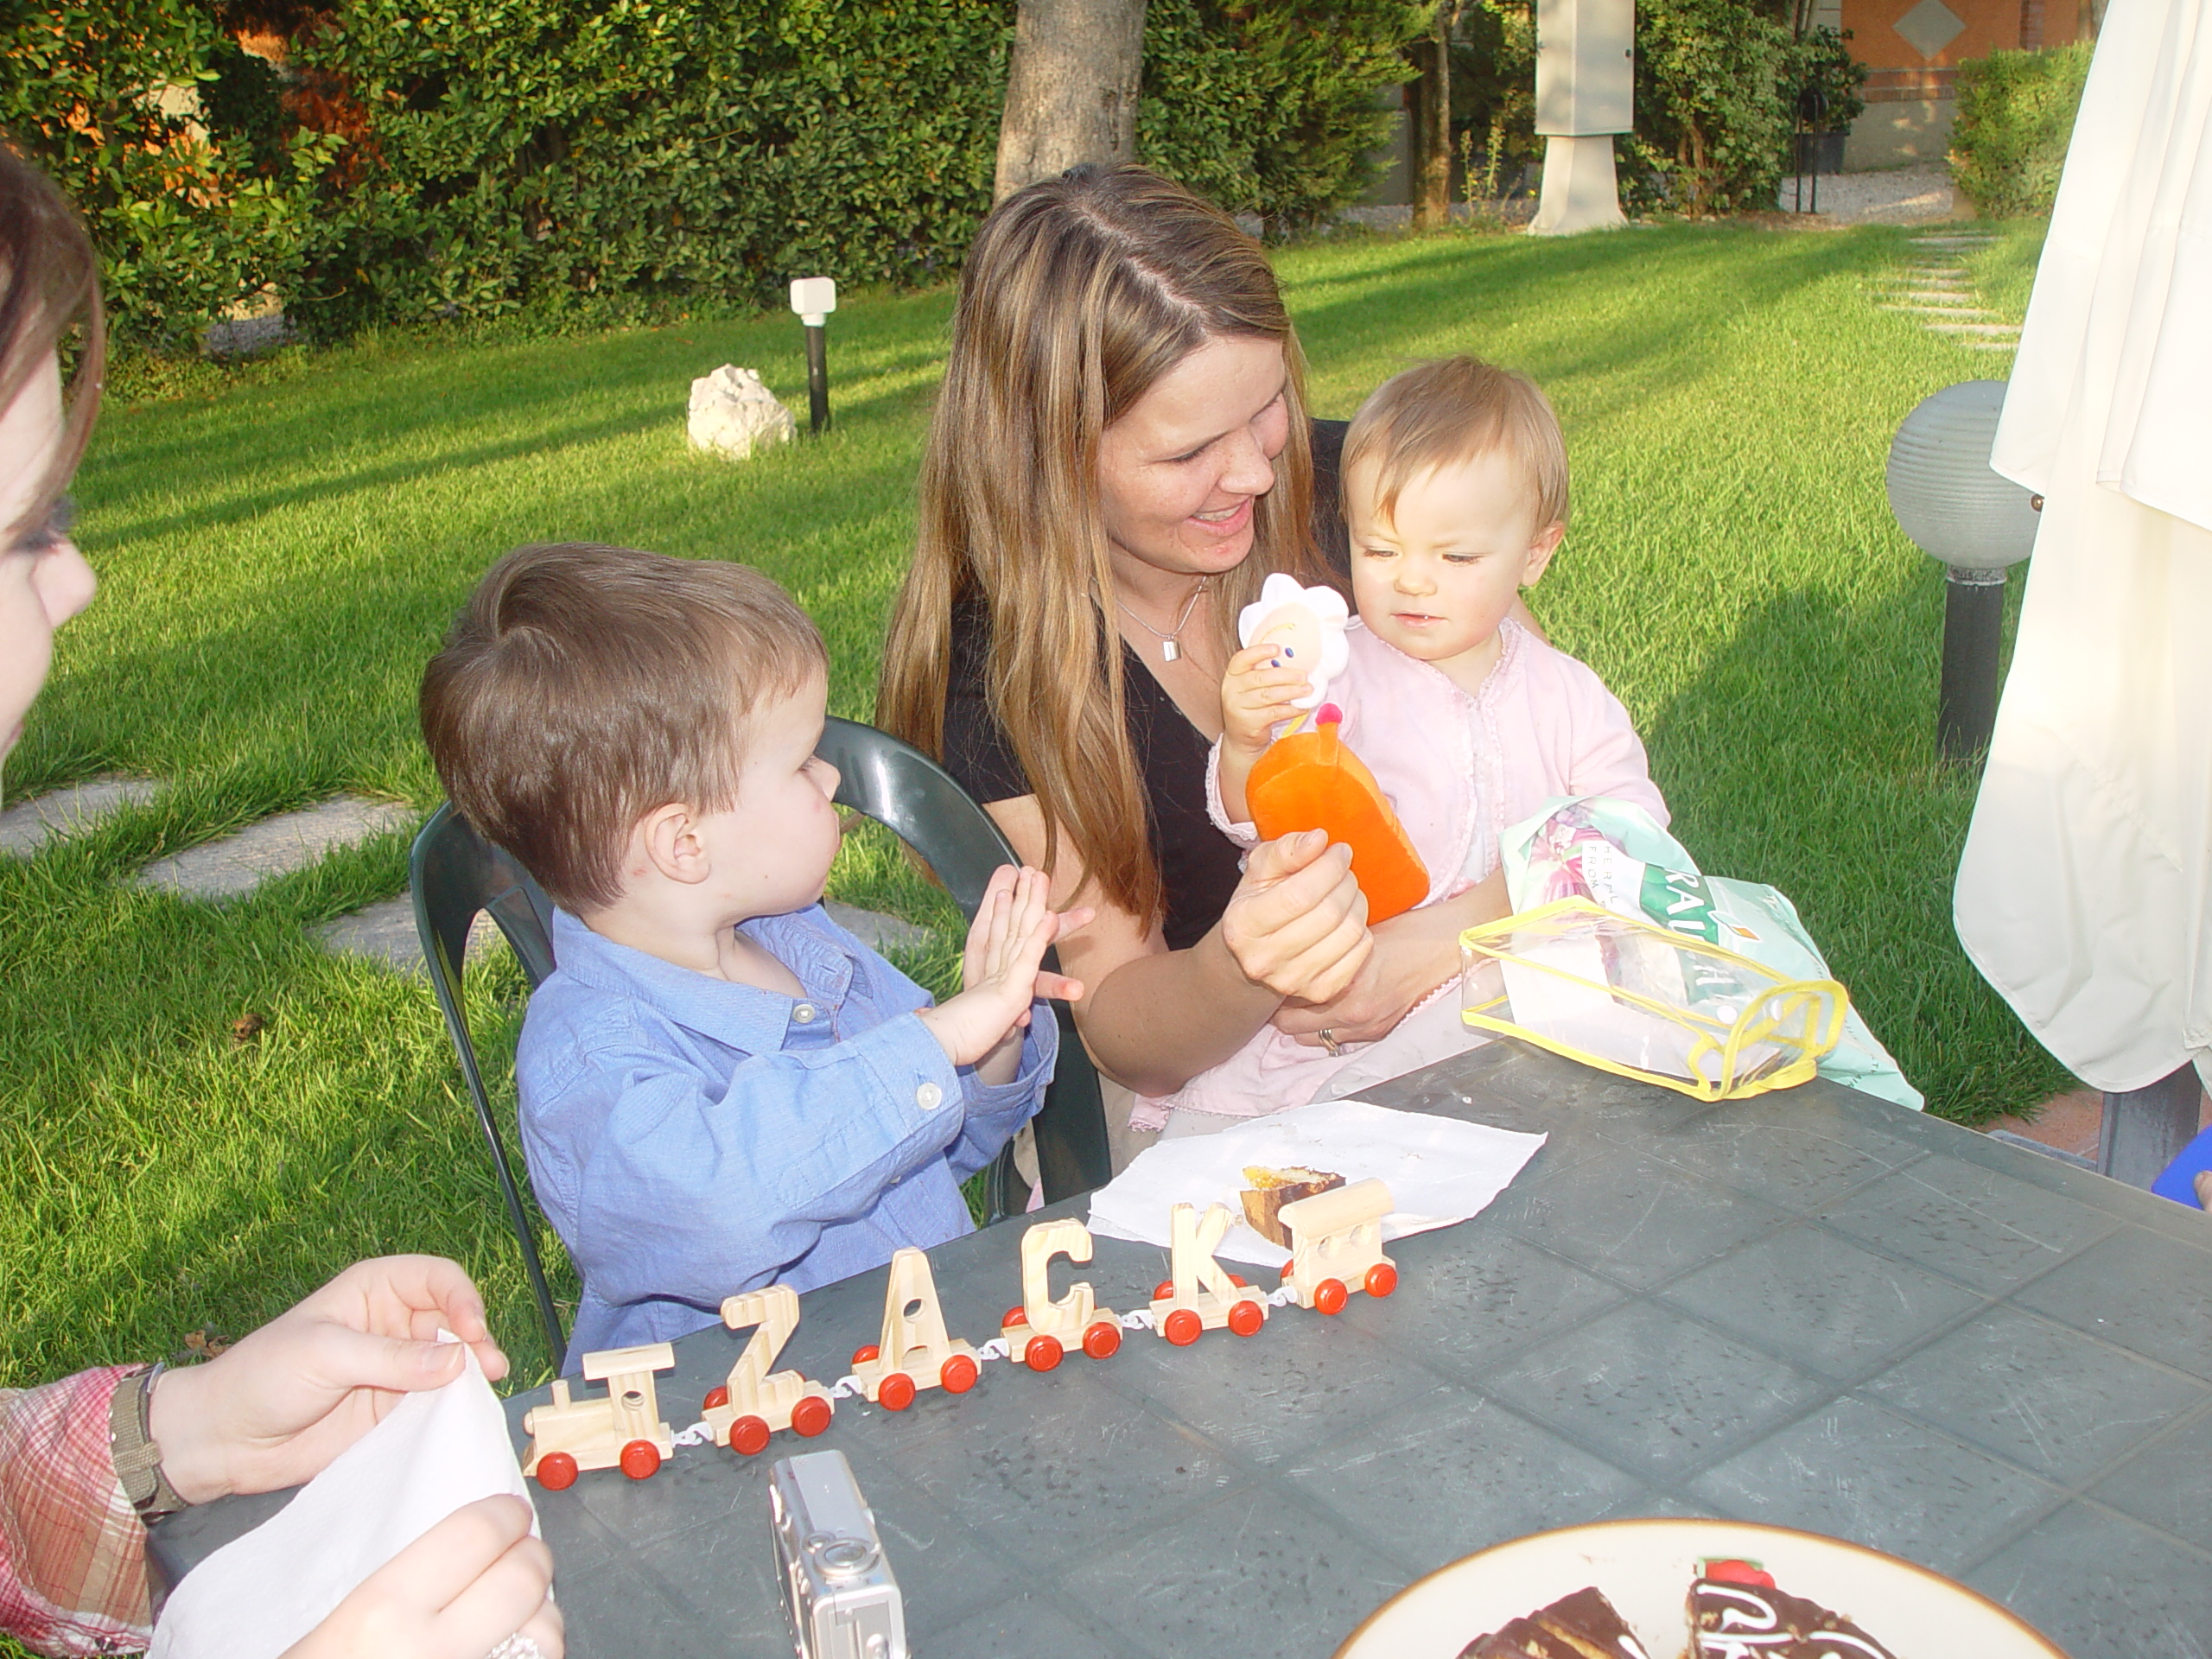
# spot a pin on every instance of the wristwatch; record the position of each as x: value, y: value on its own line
x: 130, y: 1437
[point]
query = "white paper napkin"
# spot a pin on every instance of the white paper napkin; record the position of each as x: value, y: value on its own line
x: 258, y: 1594
x: 1440, y: 1171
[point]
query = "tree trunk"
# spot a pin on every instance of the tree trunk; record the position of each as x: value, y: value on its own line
x: 1431, y: 111
x: 1071, y: 89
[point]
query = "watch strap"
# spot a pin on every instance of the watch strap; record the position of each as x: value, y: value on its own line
x: 131, y: 1439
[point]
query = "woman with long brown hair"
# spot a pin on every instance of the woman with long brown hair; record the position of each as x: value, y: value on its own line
x: 86, y: 1462
x: 1120, y: 455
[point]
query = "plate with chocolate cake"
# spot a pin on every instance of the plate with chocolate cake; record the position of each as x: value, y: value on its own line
x: 1680, y: 1589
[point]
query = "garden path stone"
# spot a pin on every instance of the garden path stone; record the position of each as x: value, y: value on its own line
x: 237, y: 864
x: 60, y: 813
x: 875, y: 929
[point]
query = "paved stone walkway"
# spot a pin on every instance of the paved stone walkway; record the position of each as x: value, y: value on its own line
x: 1936, y: 289
x: 235, y: 865
x: 59, y: 813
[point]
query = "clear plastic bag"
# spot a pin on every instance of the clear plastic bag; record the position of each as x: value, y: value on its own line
x: 1641, y: 1001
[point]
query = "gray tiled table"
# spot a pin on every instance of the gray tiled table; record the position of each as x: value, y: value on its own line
x: 1812, y: 1309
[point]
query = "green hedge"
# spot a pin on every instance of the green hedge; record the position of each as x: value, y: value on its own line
x: 464, y: 158
x: 2015, y: 116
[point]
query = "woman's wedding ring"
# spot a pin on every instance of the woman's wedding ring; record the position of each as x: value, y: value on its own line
x: 1329, y: 1041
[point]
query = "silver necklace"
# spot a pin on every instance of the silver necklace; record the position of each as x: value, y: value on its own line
x: 1171, y: 643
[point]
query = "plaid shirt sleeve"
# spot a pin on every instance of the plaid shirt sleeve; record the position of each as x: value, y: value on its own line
x: 73, y: 1553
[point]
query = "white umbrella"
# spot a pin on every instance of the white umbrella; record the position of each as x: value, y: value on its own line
x: 2085, y: 895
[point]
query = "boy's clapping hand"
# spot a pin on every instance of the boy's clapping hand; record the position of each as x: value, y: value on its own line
x: 999, y: 973
x: 1256, y: 697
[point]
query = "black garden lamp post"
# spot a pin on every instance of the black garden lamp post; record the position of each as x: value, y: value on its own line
x: 814, y: 298
x: 1951, y: 505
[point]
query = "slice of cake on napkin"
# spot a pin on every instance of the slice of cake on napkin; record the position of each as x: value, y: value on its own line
x: 1581, y: 1626
x: 1271, y: 1189
x: 1736, y: 1612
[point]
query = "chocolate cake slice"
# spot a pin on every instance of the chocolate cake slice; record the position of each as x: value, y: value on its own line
x: 1734, y: 1619
x: 1271, y: 1189
x: 1581, y: 1626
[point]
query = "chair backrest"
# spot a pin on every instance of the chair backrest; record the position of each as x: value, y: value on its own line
x: 903, y: 789
x: 453, y: 873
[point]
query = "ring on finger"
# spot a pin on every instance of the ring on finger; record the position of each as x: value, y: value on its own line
x: 1329, y: 1040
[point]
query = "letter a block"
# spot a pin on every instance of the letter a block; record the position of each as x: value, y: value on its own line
x: 1336, y: 1246
x: 915, y: 1353
x: 754, y: 1402
x: 1203, y: 1295
x: 622, y: 1430
x: 1039, y: 1331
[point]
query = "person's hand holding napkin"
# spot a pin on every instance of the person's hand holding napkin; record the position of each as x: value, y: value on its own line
x: 413, y: 1538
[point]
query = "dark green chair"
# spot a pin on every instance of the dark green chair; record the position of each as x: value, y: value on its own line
x: 453, y: 873
x: 915, y: 799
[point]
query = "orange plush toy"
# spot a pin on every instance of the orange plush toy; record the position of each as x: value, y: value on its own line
x: 1309, y: 780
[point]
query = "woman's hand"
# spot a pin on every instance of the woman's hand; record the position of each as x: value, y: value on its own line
x: 1413, y: 954
x: 456, y: 1592
x: 1297, y: 923
x: 276, y: 1407
x: 1256, y: 696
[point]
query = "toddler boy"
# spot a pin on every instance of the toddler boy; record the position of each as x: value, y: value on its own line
x: 721, y: 1087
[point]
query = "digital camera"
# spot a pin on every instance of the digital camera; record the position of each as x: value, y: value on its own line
x: 838, y: 1591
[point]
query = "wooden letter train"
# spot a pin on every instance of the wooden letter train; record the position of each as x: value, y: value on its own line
x: 621, y: 1430
x: 1039, y: 1331
x: 1336, y: 1246
x: 1336, y: 1249
x: 1200, y: 1295
x: 753, y: 1403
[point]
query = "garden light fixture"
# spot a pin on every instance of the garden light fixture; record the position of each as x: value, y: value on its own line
x: 814, y: 298
x: 1977, y: 523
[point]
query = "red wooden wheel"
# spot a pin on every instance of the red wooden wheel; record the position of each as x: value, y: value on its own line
x: 861, y: 1356
x: 1163, y: 1290
x: 895, y: 1392
x: 1014, y: 1316
x: 1290, y: 1267
x: 1183, y: 1328
x: 556, y: 1472
x: 1246, y: 1319
x: 1042, y: 1353
x: 640, y: 1459
x: 747, y: 1436
x: 1330, y: 1295
x: 1382, y: 1279
x: 811, y: 1416
x: 1102, y: 1340
x: 717, y: 1395
x: 957, y: 1374
x: 1238, y: 1282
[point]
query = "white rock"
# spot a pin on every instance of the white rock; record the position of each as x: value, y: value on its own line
x: 732, y: 411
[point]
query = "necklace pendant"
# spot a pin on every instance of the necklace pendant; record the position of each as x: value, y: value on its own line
x: 1169, y: 650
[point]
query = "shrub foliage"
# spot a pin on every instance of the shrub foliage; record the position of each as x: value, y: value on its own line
x: 2015, y: 117
x: 425, y: 158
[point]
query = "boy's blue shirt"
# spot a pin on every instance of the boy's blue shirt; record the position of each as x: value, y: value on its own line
x: 690, y: 1138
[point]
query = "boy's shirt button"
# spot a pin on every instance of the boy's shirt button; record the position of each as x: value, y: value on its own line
x: 804, y: 1013
x: 928, y: 1097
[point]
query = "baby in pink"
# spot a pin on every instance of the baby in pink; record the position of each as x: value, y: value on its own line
x: 1455, y: 492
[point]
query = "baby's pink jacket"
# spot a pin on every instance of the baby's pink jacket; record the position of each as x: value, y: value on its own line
x: 1460, y: 770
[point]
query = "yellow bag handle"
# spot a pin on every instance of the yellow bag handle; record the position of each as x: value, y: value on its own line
x: 1822, y: 1004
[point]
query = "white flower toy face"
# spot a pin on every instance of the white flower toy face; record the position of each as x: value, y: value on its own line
x: 1308, y: 623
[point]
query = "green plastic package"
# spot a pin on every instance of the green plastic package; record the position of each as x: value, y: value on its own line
x: 1611, y: 852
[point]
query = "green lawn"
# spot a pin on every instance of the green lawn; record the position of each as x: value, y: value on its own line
x: 281, y: 550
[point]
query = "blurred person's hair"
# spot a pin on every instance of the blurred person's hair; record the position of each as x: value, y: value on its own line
x: 582, y: 686
x: 49, y: 286
x: 1079, y: 294
x: 1454, y: 410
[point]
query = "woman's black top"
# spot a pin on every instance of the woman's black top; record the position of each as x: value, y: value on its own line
x: 1198, y: 866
